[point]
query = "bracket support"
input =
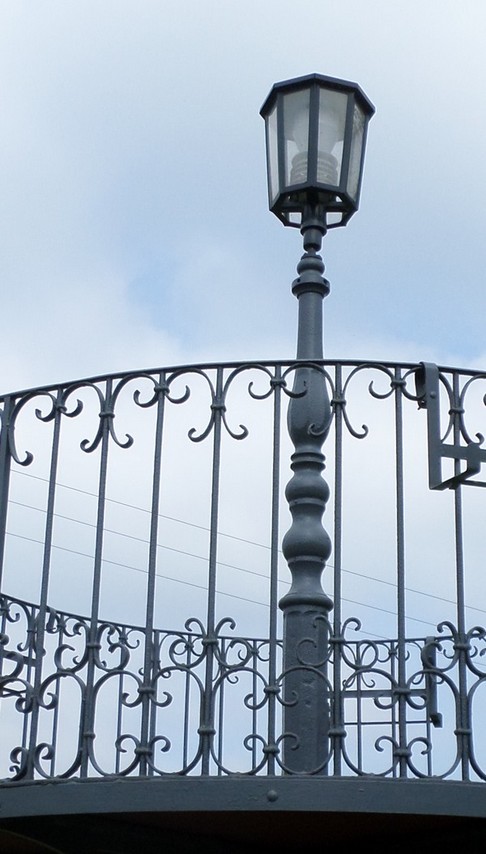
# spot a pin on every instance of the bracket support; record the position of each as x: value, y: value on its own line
x: 427, y: 387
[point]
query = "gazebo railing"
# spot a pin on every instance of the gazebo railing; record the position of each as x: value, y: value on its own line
x: 141, y: 521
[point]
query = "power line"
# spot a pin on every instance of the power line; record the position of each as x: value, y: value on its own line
x: 141, y: 509
x: 192, y: 584
x: 138, y: 568
x: 142, y: 540
x: 198, y: 586
x: 230, y: 536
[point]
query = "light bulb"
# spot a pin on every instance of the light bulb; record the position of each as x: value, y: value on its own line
x: 328, y: 131
x: 329, y: 136
x: 300, y: 130
x: 300, y: 135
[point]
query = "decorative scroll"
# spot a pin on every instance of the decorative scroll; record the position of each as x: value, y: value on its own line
x: 104, y: 693
x: 240, y: 691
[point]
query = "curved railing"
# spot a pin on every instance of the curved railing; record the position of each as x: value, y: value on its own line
x: 141, y: 520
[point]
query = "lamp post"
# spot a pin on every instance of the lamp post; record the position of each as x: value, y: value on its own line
x: 315, y: 138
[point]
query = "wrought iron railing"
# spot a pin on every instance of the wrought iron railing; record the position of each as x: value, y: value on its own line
x: 141, y: 520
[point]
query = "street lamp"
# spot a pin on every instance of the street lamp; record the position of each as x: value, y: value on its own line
x: 315, y: 136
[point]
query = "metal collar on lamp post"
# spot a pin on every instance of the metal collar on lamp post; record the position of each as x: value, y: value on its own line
x: 315, y: 136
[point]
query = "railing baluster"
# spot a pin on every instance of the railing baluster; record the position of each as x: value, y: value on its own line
x: 187, y: 708
x: 274, y: 565
x: 87, y: 733
x: 402, y: 764
x: 463, y: 727
x: 337, y: 724
x: 147, y: 688
x: 220, y: 734
x: 39, y: 644
x: 206, y: 728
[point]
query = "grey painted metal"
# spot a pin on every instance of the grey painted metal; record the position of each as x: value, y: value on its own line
x: 288, y: 197
x: 234, y: 794
x: 428, y: 380
x: 306, y: 545
x: 184, y: 690
x: 183, y: 814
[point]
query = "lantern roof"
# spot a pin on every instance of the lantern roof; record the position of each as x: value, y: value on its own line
x: 325, y: 81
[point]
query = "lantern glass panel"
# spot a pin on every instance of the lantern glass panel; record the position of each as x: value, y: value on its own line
x: 296, y: 135
x: 332, y: 122
x: 272, y: 154
x: 356, y: 151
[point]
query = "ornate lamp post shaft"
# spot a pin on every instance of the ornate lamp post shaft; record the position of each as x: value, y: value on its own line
x: 315, y: 135
x: 307, y: 546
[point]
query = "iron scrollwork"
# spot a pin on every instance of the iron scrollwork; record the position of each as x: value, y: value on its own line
x: 85, y: 695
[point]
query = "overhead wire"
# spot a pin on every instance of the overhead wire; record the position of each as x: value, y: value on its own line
x: 201, y: 557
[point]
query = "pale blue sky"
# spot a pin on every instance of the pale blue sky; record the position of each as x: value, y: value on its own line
x: 135, y: 233
x: 134, y: 228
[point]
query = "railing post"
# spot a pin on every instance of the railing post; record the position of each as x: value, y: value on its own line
x: 306, y: 545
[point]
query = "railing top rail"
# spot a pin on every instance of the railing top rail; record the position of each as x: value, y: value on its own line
x: 234, y: 365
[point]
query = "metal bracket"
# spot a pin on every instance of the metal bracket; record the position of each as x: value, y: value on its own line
x: 427, y: 386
